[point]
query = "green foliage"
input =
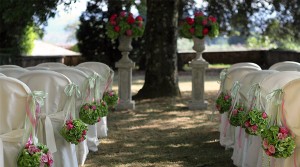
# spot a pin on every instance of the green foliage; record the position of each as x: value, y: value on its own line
x: 89, y: 113
x: 255, y: 122
x: 237, y: 115
x: 223, y: 102
x: 111, y: 98
x: 103, y: 108
x: 27, y: 40
x: 256, y: 42
x: 74, y: 131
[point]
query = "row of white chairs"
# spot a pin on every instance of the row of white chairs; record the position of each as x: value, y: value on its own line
x: 247, y: 150
x: 52, y: 78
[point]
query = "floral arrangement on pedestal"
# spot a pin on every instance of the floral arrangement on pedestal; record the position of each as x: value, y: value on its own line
x: 89, y: 113
x: 35, y: 155
x: 125, y: 24
x: 237, y: 115
x: 256, y: 122
x: 74, y: 131
x: 199, y: 26
x: 111, y: 98
x: 278, y: 142
x: 223, y: 102
x: 103, y: 108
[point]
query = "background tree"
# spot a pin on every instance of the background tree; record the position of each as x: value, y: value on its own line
x: 160, y: 47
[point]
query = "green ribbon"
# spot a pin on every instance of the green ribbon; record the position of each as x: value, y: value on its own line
x: 71, y: 89
x: 91, y: 80
x: 235, y: 89
x: 38, y: 97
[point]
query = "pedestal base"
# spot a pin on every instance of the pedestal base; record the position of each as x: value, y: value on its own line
x: 126, y: 105
x: 198, y: 105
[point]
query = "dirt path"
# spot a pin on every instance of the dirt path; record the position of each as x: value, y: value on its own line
x: 162, y: 132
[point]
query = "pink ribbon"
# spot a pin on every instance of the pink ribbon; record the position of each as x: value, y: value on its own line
x: 225, y: 127
x: 30, y: 116
x: 240, y: 137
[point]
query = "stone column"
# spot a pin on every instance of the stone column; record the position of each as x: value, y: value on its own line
x: 198, y: 76
x: 198, y: 79
x: 125, y: 65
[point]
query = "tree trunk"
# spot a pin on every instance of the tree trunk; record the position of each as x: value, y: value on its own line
x: 161, y: 77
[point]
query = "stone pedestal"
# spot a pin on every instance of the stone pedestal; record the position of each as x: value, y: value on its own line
x: 198, y: 79
x: 125, y: 66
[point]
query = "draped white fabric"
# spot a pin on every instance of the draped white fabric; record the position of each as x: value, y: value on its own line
x: 13, y: 72
x: 53, y: 84
x: 13, y: 99
x: 51, y: 65
x: 286, y: 66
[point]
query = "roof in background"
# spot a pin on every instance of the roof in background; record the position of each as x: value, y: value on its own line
x: 42, y: 48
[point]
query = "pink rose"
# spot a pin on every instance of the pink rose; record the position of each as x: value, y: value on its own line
x: 247, y: 124
x: 280, y: 136
x: 69, y: 121
x: 205, y: 31
x: 70, y: 126
x: 117, y: 28
x: 139, y: 18
x: 265, y: 144
x: 86, y: 107
x: 113, y: 17
x: 241, y: 109
x: 94, y: 107
x: 130, y: 20
x: 197, y: 14
x: 212, y: 19
x: 226, y: 97
x: 254, y: 128
x: 44, y: 158
x: 112, y: 22
x: 192, y: 30
x: 271, y: 149
x: 283, y: 130
x: 111, y: 93
x: 204, y: 22
x: 235, y: 112
x: 129, y: 32
x: 50, y: 162
x: 218, y: 107
x: 123, y: 14
x: 130, y: 15
x: 190, y: 21
x: 33, y: 149
x: 84, y: 132
x: 268, y: 153
x: 81, y: 139
x: 264, y: 115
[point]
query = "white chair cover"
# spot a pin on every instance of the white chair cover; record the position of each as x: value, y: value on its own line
x: 2, y: 75
x: 51, y: 65
x: 289, y: 82
x: 13, y: 72
x: 9, y: 66
x: 244, y: 143
x: 226, y: 130
x: 79, y: 78
x: 37, y: 68
x: 53, y: 84
x: 286, y: 66
x: 13, y: 99
x: 87, y: 71
x: 106, y: 74
x: 244, y: 64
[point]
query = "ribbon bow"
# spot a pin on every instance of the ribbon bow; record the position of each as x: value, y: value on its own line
x: 254, y: 91
x: 38, y: 97
x: 71, y: 89
x: 235, y: 88
x: 276, y: 93
x: 92, y: 80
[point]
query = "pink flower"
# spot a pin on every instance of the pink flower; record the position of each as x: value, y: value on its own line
x: 241, y: 109
x: 130, y: 20
x: 204, y: 22
x: 226, y: 97
x: 81, y: 139
x: 247, y: 124
x: 70, y: 126
x: 86, y: 107
x: 140, y: 25
x: 84, y: 132
x: 69, y: 121
x: 212, y: 19
x: 29, y: 143
x: 94, y: 107
x: 113, y: 17
x: 192, y: 30
x: 117, y: 28
x: 44, y: 158
x: 197, y: 14
x: 130, y: 15
x: 218, y: 107
x: 128, y: 32
x: 235, y: 112
x: 139, y: 18
x: 123, y: 14
x: 111, y: 93
x: 264, y: 115
x: 33, y: 149
x: 271, y: 149
x: 190, y: 21
x: 280, y: 136
x: 265, y: 144
x: 50, y: 162
x: 268, y: 153
x: 283, y: 130
x: 254, y: 128
x: 205, y: 31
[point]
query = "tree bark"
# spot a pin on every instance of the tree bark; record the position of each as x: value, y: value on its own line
x: 161, y: 77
